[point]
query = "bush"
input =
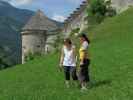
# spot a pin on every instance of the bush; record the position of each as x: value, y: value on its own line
x: 3, y: 64
x: 58, y: 43
x: 31, y: 56
x: 76, y: 30
x: 98, y: 10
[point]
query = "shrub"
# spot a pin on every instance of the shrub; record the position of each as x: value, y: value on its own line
x: 31, y: 56
x: 58, y: 43
x: 3, y: 64
x: 98, y: 10
x: 76, y: 30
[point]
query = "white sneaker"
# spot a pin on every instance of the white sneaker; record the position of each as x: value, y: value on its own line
x: 67, y: 84
x: 84, y: 89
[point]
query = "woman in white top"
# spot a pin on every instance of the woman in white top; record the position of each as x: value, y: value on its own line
x: 68, y: 61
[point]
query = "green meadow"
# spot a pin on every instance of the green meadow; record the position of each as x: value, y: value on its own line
x: 111, y: 69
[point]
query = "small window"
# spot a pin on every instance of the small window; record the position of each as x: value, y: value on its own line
x: 38, y: 46
x: 24, y: 47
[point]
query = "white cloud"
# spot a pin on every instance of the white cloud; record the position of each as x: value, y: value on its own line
x: 59, y: 18
x: 20, y: 2
x: 76, y: 1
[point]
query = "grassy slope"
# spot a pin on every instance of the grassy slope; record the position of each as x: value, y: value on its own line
x: 111, y: 69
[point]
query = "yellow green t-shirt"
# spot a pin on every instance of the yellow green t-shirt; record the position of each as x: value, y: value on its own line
x: 83, y: 50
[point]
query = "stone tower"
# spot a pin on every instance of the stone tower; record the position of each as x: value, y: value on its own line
x: 35, y: 34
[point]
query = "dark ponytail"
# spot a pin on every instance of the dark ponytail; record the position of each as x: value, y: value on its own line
x: 85, y: 37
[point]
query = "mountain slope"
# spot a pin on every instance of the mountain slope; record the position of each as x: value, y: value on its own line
x: 11, y: 21
x: 111, y: 69
x: 20, y: 15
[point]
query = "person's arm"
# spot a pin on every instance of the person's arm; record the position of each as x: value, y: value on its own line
x: 74, y: 53
x: 61, y: 57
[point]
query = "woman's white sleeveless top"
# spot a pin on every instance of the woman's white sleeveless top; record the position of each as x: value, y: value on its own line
x: 69, y: 59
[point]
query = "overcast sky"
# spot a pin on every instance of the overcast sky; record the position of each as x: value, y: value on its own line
x: 55, y: 9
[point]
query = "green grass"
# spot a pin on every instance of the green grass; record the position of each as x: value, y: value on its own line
x: 111, y: 69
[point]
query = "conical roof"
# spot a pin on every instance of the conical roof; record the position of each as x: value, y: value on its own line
x: 40, y: 22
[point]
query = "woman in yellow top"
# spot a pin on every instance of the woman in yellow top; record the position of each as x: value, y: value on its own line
x: 84, y: 61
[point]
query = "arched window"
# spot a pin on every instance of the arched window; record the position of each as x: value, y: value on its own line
x: 38, y: 46
x: 24, y: 47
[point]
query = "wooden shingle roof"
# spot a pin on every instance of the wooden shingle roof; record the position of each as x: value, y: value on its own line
x: 40, y: 22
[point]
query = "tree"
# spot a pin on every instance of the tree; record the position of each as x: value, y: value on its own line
x: 98, y: 10
x: 3, y: 64
x: 74, y: 31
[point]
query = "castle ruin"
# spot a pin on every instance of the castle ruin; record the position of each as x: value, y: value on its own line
x: 76, y: 19
x: 38, y: 35
x: 40, y: 32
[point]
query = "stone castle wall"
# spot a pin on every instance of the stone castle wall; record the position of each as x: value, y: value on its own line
x: 122, y: 5
x: 33, y: 43
x: 76, y: 19
x: 78, y: 22
x: 37, y: 42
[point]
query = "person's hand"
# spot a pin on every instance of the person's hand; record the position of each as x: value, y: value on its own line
x: 60, y: 66
x: 81, y: 63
